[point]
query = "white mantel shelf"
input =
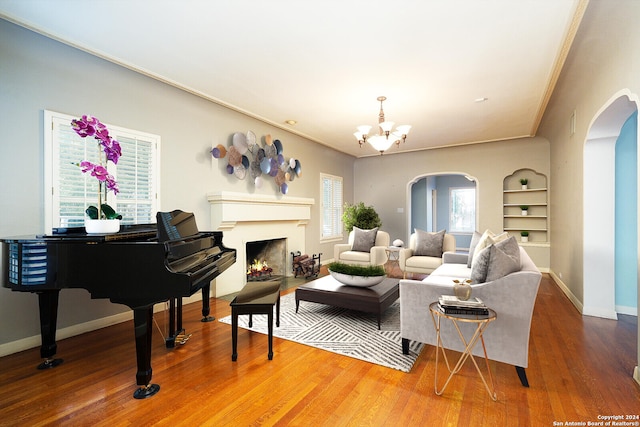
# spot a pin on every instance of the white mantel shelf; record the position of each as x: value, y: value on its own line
x: 247, y: 217
x: 228, y: 208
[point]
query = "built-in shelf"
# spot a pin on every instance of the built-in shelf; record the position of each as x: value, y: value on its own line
x: 535, y: 197
x: 528, y: 190
x: 526, y: 216
x: 524, y: 229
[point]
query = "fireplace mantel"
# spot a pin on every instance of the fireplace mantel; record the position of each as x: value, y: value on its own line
x: 229, y: 208
x: 244, y: 217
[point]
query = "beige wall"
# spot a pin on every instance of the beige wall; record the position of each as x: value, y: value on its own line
x: 383, y: 181
x: 38, y: 74
x: 604, y: 60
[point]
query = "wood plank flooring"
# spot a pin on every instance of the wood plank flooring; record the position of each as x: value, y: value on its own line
x: 579, y: 368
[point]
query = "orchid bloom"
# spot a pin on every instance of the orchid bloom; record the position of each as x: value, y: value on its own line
x: 101, y: 174
x: 91, y: 126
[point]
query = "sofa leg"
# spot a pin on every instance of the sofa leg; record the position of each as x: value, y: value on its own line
x: 522, y: 375
x: 405, y: 346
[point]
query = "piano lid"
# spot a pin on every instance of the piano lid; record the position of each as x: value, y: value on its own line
x: 176, y: 225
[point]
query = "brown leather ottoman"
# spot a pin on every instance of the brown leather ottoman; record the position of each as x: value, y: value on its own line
x: 328, y: 290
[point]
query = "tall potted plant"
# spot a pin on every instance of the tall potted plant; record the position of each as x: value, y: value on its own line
x: 361, y: 216
x: 102, y: 218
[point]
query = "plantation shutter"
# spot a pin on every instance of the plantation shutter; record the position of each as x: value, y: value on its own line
x: 331, y: 206
x: 71, y: 191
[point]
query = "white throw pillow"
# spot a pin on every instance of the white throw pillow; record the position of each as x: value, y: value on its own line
x: 488, y: 238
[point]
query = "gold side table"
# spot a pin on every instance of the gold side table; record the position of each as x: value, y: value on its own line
x: 481, y: 322
x: 393, y: 253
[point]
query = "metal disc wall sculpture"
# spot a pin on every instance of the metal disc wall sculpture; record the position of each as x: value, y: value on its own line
x: 247, y: 157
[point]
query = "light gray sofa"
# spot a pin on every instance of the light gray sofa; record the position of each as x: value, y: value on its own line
x: 512, y: 297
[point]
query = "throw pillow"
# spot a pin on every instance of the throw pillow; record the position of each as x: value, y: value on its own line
x: 364, y: 240
x: 480, y: 266
x: 504, y: 259
x: 472, y: 246
x: 488, y: 238
x: 429, y: 244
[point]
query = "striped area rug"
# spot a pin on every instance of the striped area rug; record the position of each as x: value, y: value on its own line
x: 346, y: 332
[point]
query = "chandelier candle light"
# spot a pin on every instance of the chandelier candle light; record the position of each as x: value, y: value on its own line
x: 385, y: 137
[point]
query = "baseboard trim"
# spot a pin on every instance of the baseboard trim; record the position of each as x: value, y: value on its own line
x: 565, y: 289
x: 81, y: 328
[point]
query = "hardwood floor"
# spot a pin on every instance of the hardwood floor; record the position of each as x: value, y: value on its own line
x: 579, y: 369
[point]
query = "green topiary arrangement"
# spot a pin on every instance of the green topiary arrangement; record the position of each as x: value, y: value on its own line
x: 361, y: 216
x: 357, y: 270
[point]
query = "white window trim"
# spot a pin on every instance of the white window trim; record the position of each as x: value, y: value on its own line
x: 50, y: 172
x: 336, y: 237
x: 456, y: 231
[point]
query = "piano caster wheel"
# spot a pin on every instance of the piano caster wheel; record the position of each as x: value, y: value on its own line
x: 207, y: 319
x: 148, y: 391
x: 49, y: 363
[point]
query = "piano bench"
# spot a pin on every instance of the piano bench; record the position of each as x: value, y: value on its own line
x: 255, y: 298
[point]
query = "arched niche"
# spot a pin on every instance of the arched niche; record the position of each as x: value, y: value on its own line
x: 534, y: 196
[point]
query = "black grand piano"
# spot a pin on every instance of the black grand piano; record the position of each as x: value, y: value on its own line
x: 139, y: 266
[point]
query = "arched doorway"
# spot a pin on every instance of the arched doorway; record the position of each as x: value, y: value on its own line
x: 600, y: 189
x: 429, y: 197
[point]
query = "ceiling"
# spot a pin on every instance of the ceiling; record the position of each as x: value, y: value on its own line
x: 323, y: 64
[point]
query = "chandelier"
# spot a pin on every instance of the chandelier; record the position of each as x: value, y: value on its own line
x: 385, y: 137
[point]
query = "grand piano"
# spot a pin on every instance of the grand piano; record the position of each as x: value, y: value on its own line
x: 139, y: 266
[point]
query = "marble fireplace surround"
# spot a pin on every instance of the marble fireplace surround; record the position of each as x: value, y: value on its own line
x: 244, y: 217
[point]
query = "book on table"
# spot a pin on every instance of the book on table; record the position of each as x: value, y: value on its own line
x: 450, y: 304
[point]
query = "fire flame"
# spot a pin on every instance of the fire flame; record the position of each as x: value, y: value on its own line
x: 257, y: 266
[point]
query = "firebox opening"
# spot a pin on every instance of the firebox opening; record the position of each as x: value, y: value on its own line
x: 266, y: 259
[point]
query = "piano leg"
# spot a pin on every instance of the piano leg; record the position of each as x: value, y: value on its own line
x: 48, y: 302
x: 205, y: 304
x: 143, y: 327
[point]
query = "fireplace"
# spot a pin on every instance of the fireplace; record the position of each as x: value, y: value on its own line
x: 266, y: 259
x: 244, y: 217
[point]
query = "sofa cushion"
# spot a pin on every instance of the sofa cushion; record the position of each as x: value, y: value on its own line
x: 429, y: 244
x: 423, y: 262
x: 452, y: 271
x: 363, y: 240
x: 360, y: 257
x: 504, y: 259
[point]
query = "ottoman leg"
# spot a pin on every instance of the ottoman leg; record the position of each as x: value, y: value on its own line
x: 234, y: 335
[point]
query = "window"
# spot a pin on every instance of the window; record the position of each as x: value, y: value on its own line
x: 69, y: 192
x: 462, y: 210
x: 331, y: 206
